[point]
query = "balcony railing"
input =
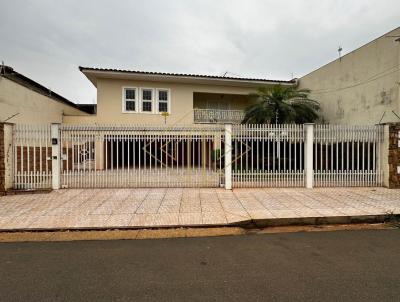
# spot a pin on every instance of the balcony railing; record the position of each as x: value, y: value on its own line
x: 217, y: 116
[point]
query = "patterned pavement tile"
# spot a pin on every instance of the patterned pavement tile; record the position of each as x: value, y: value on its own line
x: 20, y: 222
x: 162, y: 207
x: 261, y: 214
x: 56, y: 222
x: 214, y: 218
x: 284, y: 214
x: 168, y: 209
x: 352, y: 211
x: 91, y: 221
x: 118, y: 220
x: 196, y: 208
x: 329, y: 212
x: 233, y: 217
x: 166, y: 219
x: 190, y: 218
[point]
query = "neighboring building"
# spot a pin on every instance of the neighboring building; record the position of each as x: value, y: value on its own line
x: 23, y: 100
x: 362, y: 87
x: 137, y: 97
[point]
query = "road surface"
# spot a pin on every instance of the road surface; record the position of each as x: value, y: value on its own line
x: 317, y: 266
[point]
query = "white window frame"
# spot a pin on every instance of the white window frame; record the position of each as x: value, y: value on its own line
x: 168, y: 100
x: 152, y: 100
x: 124, y: 99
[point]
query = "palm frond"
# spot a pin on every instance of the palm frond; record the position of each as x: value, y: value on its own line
x: 281, y: 105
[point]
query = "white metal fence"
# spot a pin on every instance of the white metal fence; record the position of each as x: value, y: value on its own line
x: 207, y: 156
x: 268, y: 155
x: 141, y: 156
x: 347, y: 155
x: 32, y: 151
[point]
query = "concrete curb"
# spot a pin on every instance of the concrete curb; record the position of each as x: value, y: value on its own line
x: 246, y: 224
x: 272, y: 222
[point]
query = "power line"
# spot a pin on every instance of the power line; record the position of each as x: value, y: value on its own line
x: 372, y: 77
x: 375, y: 77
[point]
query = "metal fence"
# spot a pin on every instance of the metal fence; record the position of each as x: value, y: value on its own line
x: 196, y: 156
x: 347, y: 155
x: 32, y: 151
x: 267, y: 155
x: 141, y: 156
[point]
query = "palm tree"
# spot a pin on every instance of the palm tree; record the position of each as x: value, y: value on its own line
x: 281, y: 105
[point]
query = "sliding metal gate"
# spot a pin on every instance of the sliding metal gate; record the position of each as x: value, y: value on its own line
x: 268, y: 155
x: 141, y: 156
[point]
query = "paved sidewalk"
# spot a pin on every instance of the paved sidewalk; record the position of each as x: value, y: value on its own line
x: 120, y: 208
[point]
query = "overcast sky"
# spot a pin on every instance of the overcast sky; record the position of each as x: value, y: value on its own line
x: 47, y: 40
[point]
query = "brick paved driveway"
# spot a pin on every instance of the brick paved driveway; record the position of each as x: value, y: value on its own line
x: 113, y: 208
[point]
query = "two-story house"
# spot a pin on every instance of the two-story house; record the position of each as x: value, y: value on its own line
x: 137, y: 97
x: 156, y: 99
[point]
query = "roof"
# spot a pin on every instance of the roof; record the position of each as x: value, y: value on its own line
x: 94, y: 73
x: 9, y: 73
x: 88, y: 108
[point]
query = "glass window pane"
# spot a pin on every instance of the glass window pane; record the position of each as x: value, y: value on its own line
x: 129, y: 106
x: 146, y: 106
x: 147, y: 94
x: 163, y: 107
x: 130, y: 94
x: 163, y: 95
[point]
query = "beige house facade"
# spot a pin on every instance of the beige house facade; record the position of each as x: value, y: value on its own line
x: 362, y: 87
x: 134, y: 97
x: 23, y: 100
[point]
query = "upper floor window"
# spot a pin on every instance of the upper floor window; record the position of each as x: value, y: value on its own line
x: 130, y: 99
x: 163, y: 100
x: 147, y: 100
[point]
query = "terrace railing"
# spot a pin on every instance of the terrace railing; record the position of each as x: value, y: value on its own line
x: 218, y: 116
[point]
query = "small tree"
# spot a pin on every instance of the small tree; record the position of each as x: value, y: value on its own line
x: 281, y: 105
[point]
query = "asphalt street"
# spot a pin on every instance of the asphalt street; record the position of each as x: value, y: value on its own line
x: 317, y: 266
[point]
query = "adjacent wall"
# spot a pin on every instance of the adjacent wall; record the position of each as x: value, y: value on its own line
x: 2, y: 161
x: 361, y: 87
x: 32, y: 107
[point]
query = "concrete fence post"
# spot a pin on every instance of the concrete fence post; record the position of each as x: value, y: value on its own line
x: 308, y: 154
x: 6, y: 157
x: 228, y: 156
x: 55, y: 156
